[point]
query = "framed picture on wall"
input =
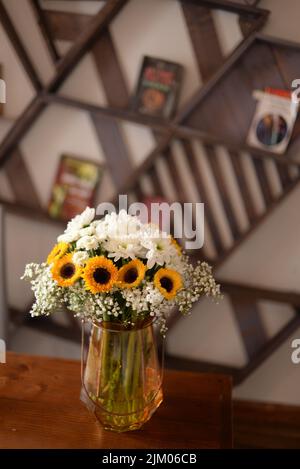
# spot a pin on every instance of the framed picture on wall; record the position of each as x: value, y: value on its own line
x: 158, y: 87
x: 273, y: 121
x: 75, y: 186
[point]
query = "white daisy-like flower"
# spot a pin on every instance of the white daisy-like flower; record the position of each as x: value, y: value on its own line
x: 126, y: 247
x: 73, y: 231
x: 159, y: 251
x: 88, y: 231
x: 80, y: 257
x: 82, y: 220
x: 69, y: 236
x: 87, y: 242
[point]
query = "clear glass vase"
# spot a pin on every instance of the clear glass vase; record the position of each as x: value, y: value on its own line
x: 121, y: 375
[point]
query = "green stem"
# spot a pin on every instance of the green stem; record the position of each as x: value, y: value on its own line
x: 129, y: 363
x: 136, y: 371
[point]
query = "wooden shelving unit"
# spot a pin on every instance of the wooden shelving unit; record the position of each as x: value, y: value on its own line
x: 218, y: 114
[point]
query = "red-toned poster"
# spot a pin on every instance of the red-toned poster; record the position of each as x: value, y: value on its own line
x: 74, y: 188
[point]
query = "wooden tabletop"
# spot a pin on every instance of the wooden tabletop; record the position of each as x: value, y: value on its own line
x: 40, y: 408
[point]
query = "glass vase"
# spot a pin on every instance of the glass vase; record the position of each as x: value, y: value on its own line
x: 121, y: 375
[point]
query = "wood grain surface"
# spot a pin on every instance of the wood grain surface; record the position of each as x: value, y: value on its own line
x: 40, y: 408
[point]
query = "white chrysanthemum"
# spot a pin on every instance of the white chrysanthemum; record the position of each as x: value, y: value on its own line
x: 125, y: 247
x: 83, y: 220
x: 88, y: 231
x: 73, y: 231
x: 80, y: 257
x: 69, y: 236
x: 87, y: 242
x: 160, y: 251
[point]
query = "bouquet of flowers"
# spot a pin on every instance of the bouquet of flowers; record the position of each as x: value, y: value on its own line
x: 120, y: 273
x: 117, y: 269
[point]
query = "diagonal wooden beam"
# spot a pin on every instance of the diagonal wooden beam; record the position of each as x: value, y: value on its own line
x: 110, y: 72
x: 64, y: 67
x: 45, y: 30
x: 85, y: 41
x: 256, y: 293
x: 204, y: 38
x: 249, y: 322
x: 231, y: 6
x: 66, y: 26
x: 108, y: 129
x: 21, y: 181
x: 19, y: 48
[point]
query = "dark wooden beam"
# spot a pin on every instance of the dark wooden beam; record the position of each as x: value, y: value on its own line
x: 204, y: 38
x: 156, y: 124
x: 19, y: 48
x: 108, y: 129
x: 66, y: 26
x: 114, y: 148
x: 263, y: 181
x: 270, y: 346
x: 223, y: 190
x: 21, y: 181
x: 257, y: 293
x: 251, y: 327
x: 192, y: 162
x: 243, y: 185
x: 284, y: 175
x: 19, y: 129
x: 233, y: 7
x: 85, y: 41
x: 110, y: 72
x: 45, y: 29
x: 30, y: 213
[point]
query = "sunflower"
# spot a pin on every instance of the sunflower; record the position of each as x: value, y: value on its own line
x: 100, y: 274
x: 131, y: 274
x: 168, y: 282
x: 57, y: 252
x: 65, y: 272
x: 176, y: 245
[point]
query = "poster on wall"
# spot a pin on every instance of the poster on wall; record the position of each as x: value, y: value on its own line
x: 273, y: 121
x: 74, y: 187
x: 158, y: 87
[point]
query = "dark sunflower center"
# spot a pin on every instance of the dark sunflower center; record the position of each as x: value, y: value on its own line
x: 101, y: 275
x: 131, y: 275
x: 67, y: 270
x: 166, y: 283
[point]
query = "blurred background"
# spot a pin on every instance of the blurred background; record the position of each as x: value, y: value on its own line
x: 86, y: 110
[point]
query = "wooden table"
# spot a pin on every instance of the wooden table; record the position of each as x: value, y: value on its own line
x: 40, y: 408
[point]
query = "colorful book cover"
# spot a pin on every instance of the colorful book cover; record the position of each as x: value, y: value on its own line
x: 158, y: 87
x: 273, y: 121
x: 74, y: 187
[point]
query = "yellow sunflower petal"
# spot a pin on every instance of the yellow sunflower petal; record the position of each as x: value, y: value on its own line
x: 57, y: 252
x: 177, y: 245
x: 168, y: 282
x: 131, y: 274
x: 65, y: 272
x: 100, y: 274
